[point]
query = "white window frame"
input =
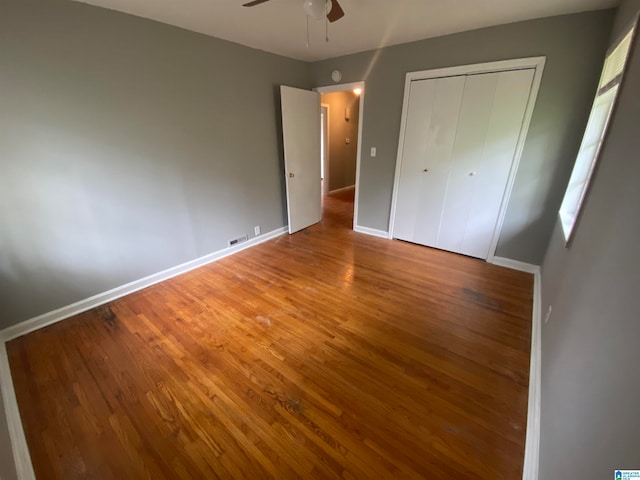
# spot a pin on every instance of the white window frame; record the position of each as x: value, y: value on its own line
x: 594, y: 136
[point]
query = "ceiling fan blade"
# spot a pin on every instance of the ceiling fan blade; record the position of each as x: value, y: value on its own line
x: 254, y: 3
x: 336, y: 12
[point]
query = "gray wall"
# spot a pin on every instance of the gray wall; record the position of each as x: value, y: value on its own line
x: 590, y: 347
x: 127, y: 147
x: 574, y: 46
x: 127, y: 153
x: 342, y: 155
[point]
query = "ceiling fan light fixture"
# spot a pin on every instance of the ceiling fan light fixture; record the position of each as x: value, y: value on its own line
x: 317, y: 8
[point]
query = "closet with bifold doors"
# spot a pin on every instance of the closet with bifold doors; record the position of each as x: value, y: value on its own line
x: 461, y: 137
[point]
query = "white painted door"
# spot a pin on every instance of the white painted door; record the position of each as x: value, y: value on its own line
x: 301, y: 139
x: 430, y: 133
x: 460, y: 142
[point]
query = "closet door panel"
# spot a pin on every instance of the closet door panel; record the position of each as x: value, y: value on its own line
x: 460, y: 140
x: 494, y: 164
x: 430, y: 132
x: 470, y: 143
x: 420, y: 108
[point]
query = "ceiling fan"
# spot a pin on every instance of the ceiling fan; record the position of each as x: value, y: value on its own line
x: 317, y: 9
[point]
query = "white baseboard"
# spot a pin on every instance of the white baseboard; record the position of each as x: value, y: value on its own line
x: 101, y: 298
x: 21, y: 457
x: 371, y: 231
x: 515, y: 265
x: 343, y: 189
x: 532, y: 442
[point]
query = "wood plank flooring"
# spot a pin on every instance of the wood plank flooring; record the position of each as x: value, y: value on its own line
x: 326, y: 354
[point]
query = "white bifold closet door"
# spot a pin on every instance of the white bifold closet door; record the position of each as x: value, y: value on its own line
x: 460, y: 141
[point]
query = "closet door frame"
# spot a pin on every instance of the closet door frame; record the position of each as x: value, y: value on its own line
x: 537, y: 63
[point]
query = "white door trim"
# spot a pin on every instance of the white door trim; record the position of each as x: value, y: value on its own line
x: 536, y: 63
x: 341, y: 88
x: 325, y: 149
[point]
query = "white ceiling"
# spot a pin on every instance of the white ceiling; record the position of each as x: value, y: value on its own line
x: 279, y: 26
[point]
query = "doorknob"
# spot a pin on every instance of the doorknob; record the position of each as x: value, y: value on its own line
x: 426, y: 170
x: 471, y: 174
x: 291, y: 175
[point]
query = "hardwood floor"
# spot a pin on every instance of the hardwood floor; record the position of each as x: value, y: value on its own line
x: 325, y: 354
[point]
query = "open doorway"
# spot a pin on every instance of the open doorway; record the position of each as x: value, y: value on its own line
x: 341, y: 126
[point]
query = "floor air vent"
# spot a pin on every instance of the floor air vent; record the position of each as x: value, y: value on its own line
x: 235, y: 241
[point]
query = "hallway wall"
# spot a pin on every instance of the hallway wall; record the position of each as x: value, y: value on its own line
x: 342, y: 155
